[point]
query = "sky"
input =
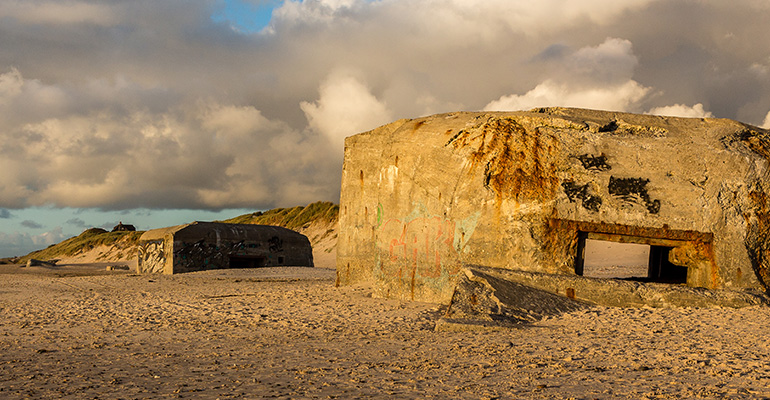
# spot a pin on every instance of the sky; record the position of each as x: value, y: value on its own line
x: 156, y: 113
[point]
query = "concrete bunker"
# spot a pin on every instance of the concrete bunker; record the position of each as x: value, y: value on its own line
x: 424, y: 200
x: 211, y: 245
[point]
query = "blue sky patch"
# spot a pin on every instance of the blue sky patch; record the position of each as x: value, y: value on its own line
x: 246, y: 16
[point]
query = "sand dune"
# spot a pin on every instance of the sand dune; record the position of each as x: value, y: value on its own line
x: 288, y: 333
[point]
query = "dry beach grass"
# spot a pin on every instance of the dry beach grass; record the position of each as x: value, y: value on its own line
x: 289, y: 333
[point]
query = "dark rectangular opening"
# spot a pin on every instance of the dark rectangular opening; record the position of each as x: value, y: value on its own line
x: 662, y: 270
x: 247, y: 262
x: 625, y: 257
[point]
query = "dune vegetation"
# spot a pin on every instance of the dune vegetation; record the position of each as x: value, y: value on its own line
x: 295, y: 218
x: 86, y: 241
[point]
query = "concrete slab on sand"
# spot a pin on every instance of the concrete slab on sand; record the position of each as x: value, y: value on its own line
x: 74, y: 269
x: 492, y: 297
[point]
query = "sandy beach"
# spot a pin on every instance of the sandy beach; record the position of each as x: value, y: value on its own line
x: 289, y: 333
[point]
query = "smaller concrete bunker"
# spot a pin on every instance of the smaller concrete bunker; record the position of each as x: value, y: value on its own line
x: 202, y: 246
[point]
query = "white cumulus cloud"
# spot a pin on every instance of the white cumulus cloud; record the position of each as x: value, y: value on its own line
x: 550, y: 94
x: 19, y: 244
x: 766, y: 122
x: 345, y: 107
x: 682, y: 110
x: 597, y: 77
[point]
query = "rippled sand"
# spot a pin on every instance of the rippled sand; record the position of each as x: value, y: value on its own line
x: 289, y: 333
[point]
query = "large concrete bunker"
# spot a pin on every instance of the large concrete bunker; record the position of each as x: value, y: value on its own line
x: 211, y: 245
x: 522, y: 191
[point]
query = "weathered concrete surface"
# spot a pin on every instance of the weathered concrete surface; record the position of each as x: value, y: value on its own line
x: 514, y: 190
x: 605, y: 292
x: 211, y: 245
x: 40, y: 263
x: 493, y: 298
x: 486, y: 300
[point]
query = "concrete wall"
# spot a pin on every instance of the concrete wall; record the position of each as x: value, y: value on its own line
x: 420, y: 198
x: 206, y: 245
x: 152, y: 256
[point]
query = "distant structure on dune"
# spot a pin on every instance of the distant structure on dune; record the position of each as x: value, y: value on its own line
x: 120, y: 227
x: 422, y: 200
x: 211, y: 245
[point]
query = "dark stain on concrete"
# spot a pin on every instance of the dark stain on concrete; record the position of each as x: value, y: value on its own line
x: 594, y: 163
x: 576, y: 192
x: 633, y: 190
x: 609, y: 127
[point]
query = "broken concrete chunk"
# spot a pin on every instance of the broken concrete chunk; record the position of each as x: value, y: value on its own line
x: 40, y: 263
x: 484, y: 297
x: 490, y: 298
x: 621, y: 293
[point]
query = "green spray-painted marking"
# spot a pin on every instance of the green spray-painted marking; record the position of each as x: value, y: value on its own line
x: 380, y: 214
x: 464, y: 230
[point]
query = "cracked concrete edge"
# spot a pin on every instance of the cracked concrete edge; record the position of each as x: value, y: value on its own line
x: 493, y: 298
x: 623, y: 293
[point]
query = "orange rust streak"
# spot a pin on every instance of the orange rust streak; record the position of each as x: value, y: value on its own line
x: 630, y: 230
x: 715, y: 281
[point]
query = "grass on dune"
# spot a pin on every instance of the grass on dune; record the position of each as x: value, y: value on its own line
x: 292, y: 218
x: 87, y: 240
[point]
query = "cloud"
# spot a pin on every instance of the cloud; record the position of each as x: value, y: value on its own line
x: 10, y: 84
x: 596, y: 77
x: 77, y: 222
x: 57, y: 12
x: 610, y: 63
x: 108, y: 225
x: 147, y: 104
x: 766, y: 122
x: 208, y: 155
x: 31, y: 224
x: 345, y: 107
x: 469, y: 19
x: 16, y: 244
x: 551, y: 94
x: 681, y: 110
x: 19, y: 244
x: 48, y: 238
x: 312, y: 11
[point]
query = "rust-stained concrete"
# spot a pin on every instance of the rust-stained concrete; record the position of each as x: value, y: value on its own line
x: 520, y: 190
x: 212, y: 245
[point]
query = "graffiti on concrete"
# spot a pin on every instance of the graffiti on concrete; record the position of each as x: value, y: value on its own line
x: 423, y: 247
x: 201, y: 255
x: 421, y: 242
x: 576, y: 192
x: 634, y: 191
x: 152, y: 257
x: 194, y: 250
x: 594, y: 163
x: 275, y: 244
